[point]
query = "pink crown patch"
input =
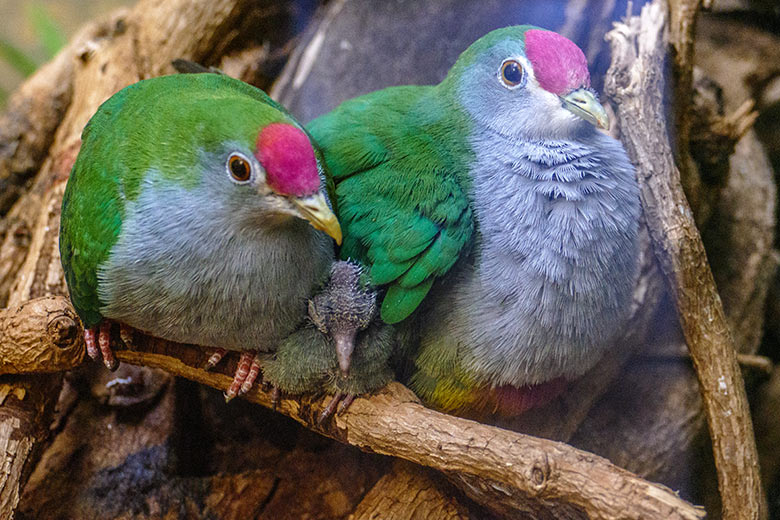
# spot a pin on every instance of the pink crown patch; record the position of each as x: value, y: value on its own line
x: 559, y: 65
x: 288, y: 158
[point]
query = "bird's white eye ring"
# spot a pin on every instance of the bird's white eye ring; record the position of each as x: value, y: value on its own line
x: 239, y: 168
x: 511, y: 73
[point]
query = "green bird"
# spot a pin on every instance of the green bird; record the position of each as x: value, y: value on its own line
x: 194, y: 212
x: 500, y: 221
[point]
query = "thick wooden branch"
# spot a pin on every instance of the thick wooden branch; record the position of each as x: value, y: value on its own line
x: 636, y: 83
x: 28, y: 123
x: 61, y: 348
x: 26, y: 407
x: 513, y: 471
x: 408, y: 492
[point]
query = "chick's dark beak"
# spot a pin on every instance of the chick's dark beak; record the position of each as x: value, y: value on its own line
x: 345, y: 344
x: 315, y: 209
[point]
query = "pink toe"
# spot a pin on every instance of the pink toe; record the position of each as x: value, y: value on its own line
x: 89, y: 339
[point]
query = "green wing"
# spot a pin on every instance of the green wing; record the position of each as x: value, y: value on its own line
x: 398, y: 161
x: 91, y: 214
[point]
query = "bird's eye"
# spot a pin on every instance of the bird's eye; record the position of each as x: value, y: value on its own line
x: 511, y: 73
x: 239, y: 168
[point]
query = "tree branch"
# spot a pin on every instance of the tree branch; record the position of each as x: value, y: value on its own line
x: 507, y: 470
x: 636, y: 83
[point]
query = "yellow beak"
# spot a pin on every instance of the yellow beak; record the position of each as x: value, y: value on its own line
x: 314, y: 209
x: 583, y: 103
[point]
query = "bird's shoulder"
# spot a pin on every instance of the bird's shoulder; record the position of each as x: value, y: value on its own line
x: 399, y: 161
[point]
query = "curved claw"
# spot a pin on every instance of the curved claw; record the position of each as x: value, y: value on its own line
x: 343, y: 405
x: 338, y: 403
x: 126, y: 335
x: 215, y: 358
x: 329, y: 408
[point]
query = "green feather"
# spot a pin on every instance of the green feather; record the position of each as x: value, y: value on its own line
x: 398, y: 159
x: 306, y: 362
x: 401, y: 301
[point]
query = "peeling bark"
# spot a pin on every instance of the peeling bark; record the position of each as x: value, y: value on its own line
x: 636, y: 83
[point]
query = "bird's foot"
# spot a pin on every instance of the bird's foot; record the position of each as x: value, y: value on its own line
x: 338, y: 404
x: 215, y: 358
x: 98, y: 340
x: 245, y: 376
x: 276, y: 396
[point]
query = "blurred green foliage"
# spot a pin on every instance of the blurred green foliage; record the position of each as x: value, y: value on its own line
x: 49, y: 36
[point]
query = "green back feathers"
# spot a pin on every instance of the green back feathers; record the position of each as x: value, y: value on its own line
x: 399, y: 160
x: 162, y: 124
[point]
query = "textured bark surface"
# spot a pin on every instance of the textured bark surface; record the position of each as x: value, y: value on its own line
x: 409, y: 492
x: 28, y: 123
x: 637, y: 84
x: 26, y: 407
x: 506, y: 471
x: 61, y: 348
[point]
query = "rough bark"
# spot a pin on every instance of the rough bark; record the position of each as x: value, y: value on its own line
x: 60, y: 349
x: 26, y: 410
x: 28, y: 123
x: 408, y: 492
x: 637, y: 84
x: 508, y: 471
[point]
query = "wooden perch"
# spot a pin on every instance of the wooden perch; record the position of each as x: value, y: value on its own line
x: 636, y: 83
x: 408, y: 492
x: 60, y: 349
x: 517, y: 472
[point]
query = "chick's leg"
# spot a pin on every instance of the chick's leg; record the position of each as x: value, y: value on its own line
x: 340, y: 401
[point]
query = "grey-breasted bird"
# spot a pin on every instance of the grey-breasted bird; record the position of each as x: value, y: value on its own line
x: 493, y: 204
x: 190, y: 214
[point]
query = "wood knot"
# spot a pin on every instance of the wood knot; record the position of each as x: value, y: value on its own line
x: 63, y: 331
x: 540, y: 474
